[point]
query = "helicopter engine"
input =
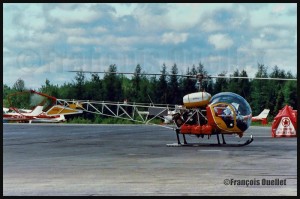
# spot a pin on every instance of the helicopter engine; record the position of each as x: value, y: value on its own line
x: 192, y: 119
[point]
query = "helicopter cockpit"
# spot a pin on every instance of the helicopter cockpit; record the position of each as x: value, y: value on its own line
x: 231, y: 112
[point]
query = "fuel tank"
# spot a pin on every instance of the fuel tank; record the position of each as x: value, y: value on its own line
x: 197, y: 99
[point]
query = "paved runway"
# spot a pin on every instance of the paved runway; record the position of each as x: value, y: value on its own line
x: 62, y: 159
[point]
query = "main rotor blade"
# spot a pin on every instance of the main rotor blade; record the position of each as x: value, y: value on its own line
x: 190, y: 76
x: 128, y: 73
x: 262, y: 78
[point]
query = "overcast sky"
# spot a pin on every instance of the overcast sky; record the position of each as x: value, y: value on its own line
x: 46, y: 40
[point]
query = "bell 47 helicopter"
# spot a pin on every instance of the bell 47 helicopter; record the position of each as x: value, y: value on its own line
x: 201, y: 114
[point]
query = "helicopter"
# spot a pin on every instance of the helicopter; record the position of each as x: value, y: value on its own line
x: 201, y: 114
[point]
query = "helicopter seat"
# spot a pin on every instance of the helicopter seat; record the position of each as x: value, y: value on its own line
x: 218, y: 111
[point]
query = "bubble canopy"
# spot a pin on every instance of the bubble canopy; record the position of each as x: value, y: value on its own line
x: 231, y: 98
x: 235, y: 104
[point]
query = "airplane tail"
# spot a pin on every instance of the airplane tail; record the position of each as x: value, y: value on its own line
x: 264, y: 113
x: 5, y: 110
x: 36, y: 111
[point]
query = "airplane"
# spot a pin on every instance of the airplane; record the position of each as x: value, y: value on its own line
x: 30, y: 116
x: 261, y: 117
x: 42, y: 105
x: 21, y: 115
x: 201, y: 114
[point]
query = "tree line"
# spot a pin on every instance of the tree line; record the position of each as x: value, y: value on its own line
x: 168, y: 88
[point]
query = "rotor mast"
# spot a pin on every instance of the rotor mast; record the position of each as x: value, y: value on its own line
x: 199, y: 78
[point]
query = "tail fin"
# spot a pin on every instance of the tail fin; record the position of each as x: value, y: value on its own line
x: 36, y: 111
x: 5, y: 110
x: 264, y: 113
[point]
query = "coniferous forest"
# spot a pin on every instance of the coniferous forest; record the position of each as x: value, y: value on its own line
x: 168, y: 89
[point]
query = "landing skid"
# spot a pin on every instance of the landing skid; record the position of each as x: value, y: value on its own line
x: 210, y: 144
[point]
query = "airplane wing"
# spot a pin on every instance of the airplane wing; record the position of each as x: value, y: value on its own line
x: 62, y: 110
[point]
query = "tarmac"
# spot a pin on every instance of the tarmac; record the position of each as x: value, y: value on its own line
x: 133, y: 160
